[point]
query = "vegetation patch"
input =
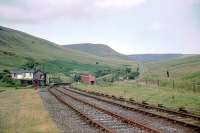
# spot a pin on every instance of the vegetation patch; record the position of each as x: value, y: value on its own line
x: 184, y: 73
x: 22, y: 111
x: 6, y: 80
x: 67, y: 67
x: 7, y: 53
x: 192, y: 76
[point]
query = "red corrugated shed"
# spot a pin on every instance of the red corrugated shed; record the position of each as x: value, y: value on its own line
x: 88, y: 79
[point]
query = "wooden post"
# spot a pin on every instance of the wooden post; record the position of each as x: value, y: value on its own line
x: 158, y: 83
x: 35, y: 84
x: 194, y: 87
x: 137, y: 82
x: 173, y: 83
x: 146, y: 82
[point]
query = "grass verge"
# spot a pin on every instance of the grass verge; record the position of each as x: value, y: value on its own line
x: 22, y: 111
x: 169, y: 97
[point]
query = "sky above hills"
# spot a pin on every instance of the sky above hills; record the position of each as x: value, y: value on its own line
x: 128, y: 26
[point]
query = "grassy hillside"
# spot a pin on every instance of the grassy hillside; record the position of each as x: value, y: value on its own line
x: 153, y: 57
x: 182, y: 68
x: 17, y: 48
x: 101, y: 50
x: 184, y: 71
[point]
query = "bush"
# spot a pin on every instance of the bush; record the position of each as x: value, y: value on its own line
x: 108, y: 75
x: 6, y: 79
x: 77, y: 77
x: 133, y: 75
x: 55, y: 80
x: 101, y: 73
x: 31, y: 64
x: 106, y: 78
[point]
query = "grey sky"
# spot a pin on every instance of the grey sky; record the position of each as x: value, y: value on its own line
x: 128, y: 26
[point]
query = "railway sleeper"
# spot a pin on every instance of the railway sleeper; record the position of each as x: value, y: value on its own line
x: 155, y: 115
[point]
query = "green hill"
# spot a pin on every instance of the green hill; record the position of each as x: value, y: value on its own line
x: 101, y: 50
x: 183, y: 68
x: 184, y: 73
x: 18, y: 48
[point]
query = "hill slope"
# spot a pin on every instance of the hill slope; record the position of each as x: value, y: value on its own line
x: 17, y: 48
x: 184, y: 73
x: 154, y: 57
x: 184, y: 68
x: 101, y: 50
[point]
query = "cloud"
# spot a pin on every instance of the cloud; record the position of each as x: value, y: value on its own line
x: 161, y: 24
x: 37, y: 11
x: 155, y: 26
x: 119, y: 3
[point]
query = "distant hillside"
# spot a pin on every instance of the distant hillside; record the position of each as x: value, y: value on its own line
x: 153, y: 57
x: 183, y: 68
x: 101, y: 50
x: 18, y: 48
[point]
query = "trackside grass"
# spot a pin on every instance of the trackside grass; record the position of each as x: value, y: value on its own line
x: 169, y: 97
x: 21, y: 111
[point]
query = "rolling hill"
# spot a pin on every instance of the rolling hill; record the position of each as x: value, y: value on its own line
x: 183, y: 68
x: 18, y: 48
x: 184, y: 73
x: 153, y: 57
x: 101, y: 50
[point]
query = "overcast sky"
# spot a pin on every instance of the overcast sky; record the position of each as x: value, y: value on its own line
x: 128, y: 26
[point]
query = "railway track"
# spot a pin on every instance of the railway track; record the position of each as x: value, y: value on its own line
x: 98, y: 116
x: 185, y: 119
x: 66, y: 119
x: 155, y: 119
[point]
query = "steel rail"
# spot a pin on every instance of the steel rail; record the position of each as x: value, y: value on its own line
x: 117, y: 115
x: 197, y: 127
x: 141, y: 104
x: 89, y: 119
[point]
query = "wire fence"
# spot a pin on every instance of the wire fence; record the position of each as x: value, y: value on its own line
x: 186, y: 85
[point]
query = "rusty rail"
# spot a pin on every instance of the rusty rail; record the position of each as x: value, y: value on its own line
x: 140, y: 110
x: 116, y: 115
x: 87, y: 118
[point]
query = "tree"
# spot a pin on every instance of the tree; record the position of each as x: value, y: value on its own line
x: 77, y: 77
x: 101, y: 73
x: 128, y: 69
x: 31, y: 64
x: 133, y: 75
x: 6, y: 78
x: 138, y: 69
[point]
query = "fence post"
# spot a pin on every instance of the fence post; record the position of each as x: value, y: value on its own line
x: 146, y: 82
x: 173, y: 83
x: 194, y: 87
x: 137, y: 82
x: 158, y: 83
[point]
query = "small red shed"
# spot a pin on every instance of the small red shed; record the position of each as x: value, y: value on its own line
x: 88, y: 79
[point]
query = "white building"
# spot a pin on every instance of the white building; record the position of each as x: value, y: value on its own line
x: 27, y: 77
x: 22, y: 74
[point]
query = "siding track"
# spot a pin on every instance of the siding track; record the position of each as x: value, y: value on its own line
x: 185, y: 119
x: 98, y: 116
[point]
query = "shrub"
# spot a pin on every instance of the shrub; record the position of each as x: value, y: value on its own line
x: 101, y: 73
x: 133, y: 75
x: 6, y: 79
x: 77, y: 77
